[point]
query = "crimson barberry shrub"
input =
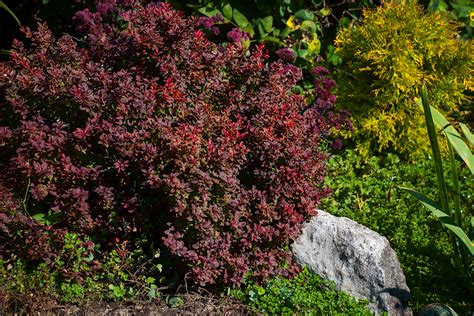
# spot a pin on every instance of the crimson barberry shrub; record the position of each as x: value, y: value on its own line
x: 143, y: 121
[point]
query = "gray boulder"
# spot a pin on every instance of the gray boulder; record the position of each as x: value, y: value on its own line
x: 357, y: 259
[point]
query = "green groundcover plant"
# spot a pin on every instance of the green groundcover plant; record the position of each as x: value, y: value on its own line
x: 81, y: 274
x: 306, y: 294
x: 366, y: 190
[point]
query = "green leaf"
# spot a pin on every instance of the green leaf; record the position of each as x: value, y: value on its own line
x: 209, y: 11
x: 240, y: 19
x: 40, y: 217
x: 4, y: 6
x: 297, y: 89
x: 175, y: 301
x: 89, y: 258
x: 159, y: 267
x: 463, y: 10
x: 332, y: 57
x: 282, y: 11
x: 454, y: 138
x: 261, y: 30
x: 267, y: 23
x: 302, y: 52
x: 443, y: 217
x: 325, y: 11
x: 314, y: 46
x: 273, y: 39
x: 152, y: 292
x: 285, y: 32
x: 227, y: 12
x: 309, y: 26
x: 304, y: 14
x: 437, y: 5
x: 344, y: 21
x: 149, y: 280
x: 467, y: 133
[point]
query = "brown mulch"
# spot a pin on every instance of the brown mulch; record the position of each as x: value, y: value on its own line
x: 191, y: 304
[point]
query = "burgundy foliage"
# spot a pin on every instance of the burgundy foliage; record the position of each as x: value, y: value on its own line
x: 145, y: 121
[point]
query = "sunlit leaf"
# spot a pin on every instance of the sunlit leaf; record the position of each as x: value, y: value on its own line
x: 304, y: 15
x: 454, y: 138
x: 239, y: 18
x: 267, y: 23
x: 227, y: 12
x: 467, y: 133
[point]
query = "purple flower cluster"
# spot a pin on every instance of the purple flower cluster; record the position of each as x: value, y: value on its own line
x: 236, y: 35
x: 286, y: 54
x: 209, y: 23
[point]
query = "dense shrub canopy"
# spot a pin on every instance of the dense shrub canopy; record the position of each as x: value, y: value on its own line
x: 387, y: 58
x: 143, y: 125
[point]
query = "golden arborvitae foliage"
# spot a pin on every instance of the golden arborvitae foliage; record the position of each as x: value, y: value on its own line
x: 387, y: 57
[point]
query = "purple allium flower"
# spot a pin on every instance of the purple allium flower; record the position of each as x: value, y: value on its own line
x: 83, y: 20
x: 286, y: 54
x: 218, y: 18
x: 319, y: 70
x: 235, y: 35
x: 215, y: 30
x: 105, y: 8
x: 206, y: 22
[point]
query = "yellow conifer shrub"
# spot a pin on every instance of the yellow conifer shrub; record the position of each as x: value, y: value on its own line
x: 387, y: 57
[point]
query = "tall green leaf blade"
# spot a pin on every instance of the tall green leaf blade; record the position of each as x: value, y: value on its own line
x: 456, y: 188
x: 438, y: 164
x: 444, y: 218
x: 467, y: 133
x: 4, y: 6
x: 454, y: 138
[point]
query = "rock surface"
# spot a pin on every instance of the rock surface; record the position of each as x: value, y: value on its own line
x: 357, y: 259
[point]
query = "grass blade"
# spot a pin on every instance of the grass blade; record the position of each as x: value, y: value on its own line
x: 4, y: 6
x: 443, y: 192
x: 454, y: 138
x: 444, y: 218
x: 467, y: 133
